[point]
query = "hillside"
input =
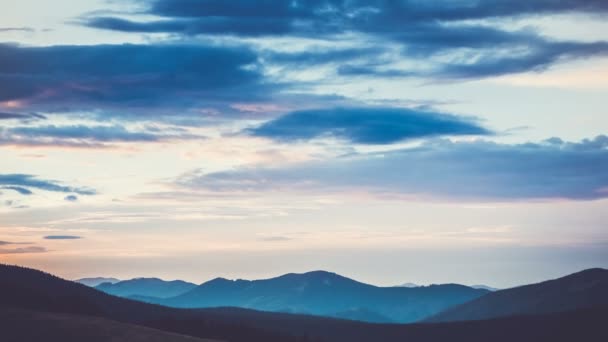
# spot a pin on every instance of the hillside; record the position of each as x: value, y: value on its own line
x: 33, y: 290
x: 581, y: 290
x: 45, y: 326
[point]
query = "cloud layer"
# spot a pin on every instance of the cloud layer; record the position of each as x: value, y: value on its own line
x: 325, y: 16
x: 479, y: 170
x: 141, y: 78
x: 416, y: 28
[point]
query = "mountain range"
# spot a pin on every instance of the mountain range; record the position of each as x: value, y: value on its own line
x: 34, y: 302
x: 92, y: 282
x: 317, y: 293
x: 146, y: 287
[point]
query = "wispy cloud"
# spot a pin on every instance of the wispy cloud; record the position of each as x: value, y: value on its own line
x: 62, y: 237
x: 20, y: 116
x: 25, y: 181
x: 17, y: 29
x: 552, y: 169
x: 20, y: 190
x: 6, y: 243
x: 275, y: 239
x: 89, y: 136
x: 23, y: 250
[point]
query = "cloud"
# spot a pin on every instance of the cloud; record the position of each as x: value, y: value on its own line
x: 19, y: 116
x: 62, y: 237
x: 552, y: 169
x: 20, y: 190
x: 419, y: 28
x: 98, y: 133
x: 275, y: 239
x: 87, y: 136
x: 16, y: 29
x: 71, y: 198
x: 24, y: 250
x: 538, y: 58
x: 30, y: 181
x: 317, y: 16
x: 373, y: 125
x: 141, y: 78
x: 479, y: 52
x: 210, y: 25
x: 6, y: 243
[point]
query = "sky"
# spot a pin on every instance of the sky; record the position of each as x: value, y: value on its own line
x: 388, y: 141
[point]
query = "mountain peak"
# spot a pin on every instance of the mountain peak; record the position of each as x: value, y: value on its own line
x: 315, y: 274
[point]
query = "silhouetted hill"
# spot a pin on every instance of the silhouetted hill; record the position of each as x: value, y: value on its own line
x: 20, y: 287
x: 146, y: 287
x: 362, y: 315
x: 584, y: 289
x: 24, y: 326
x: 34, y: 290
x: 326, y: 294
x: 588, y: 325
x: 92, y: 282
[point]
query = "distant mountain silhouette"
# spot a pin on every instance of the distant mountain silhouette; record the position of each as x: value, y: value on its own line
x: 485, y: 287
x: 326, y: 294
x: 32, y: 290
x: 42, y: 294
x: 584, y: 289
x: 92, y: 282
x: 146, y: 287
x: 408, y: 285
x: 44, y: 326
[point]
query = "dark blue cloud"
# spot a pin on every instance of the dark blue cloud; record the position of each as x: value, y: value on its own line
x: 421, y: 28
x: 71, y: 198
x: 146, y: 77
x: 331, y: 16
x: 374, y: 125
x: 552, y: 169
x: 31, y: 182
x: 212, y: 25
x: 62, y: 237
x: 20, y: 116
x: 20, y: 190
